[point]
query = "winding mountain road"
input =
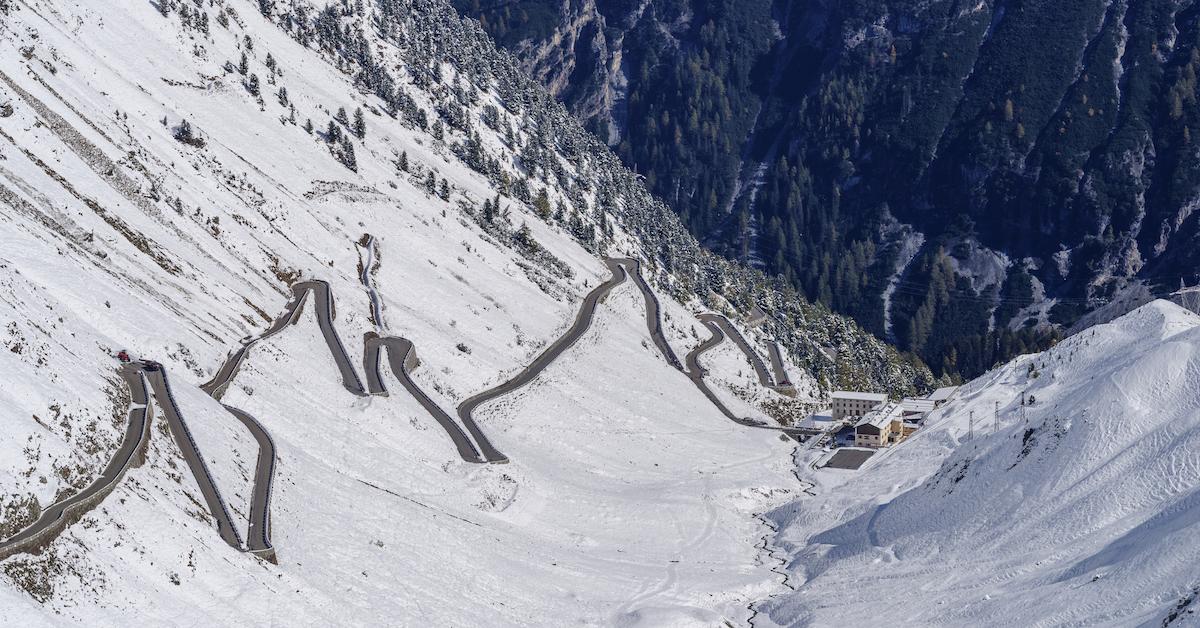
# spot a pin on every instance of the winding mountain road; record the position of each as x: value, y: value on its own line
x: 583, y: 320
x: 129, y: 454
x: 780, y: 381
x: 191, y: 455
x: 258, y: 537
x: 324, y: 310
x: 695, y: 372
x: 781, y: 377
x: 653, y: 311
x: 691, y: 366
x: 132, y: 452
x: 620, y: 269
x: 402, y: 357
x: 760, y: 369
x: 259, y: 532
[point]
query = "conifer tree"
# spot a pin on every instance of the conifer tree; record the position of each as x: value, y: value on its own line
x: 524, y: 236
x: 347, y: 154
x: 542, y: 204
x: 360, y: 124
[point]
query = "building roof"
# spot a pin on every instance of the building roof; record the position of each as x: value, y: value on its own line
x: 942, y: 393
x: 918, y: 405
x: 860, y: 396
x: 879, y: 418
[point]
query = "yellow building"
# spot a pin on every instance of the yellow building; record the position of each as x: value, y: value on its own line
x: 882, y: 427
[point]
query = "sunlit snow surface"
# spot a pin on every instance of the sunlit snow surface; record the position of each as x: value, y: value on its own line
x: 629, y: 499
x: 1081, y: 511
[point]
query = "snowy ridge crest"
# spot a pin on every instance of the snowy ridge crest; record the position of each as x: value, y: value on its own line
x: 1078, y: 509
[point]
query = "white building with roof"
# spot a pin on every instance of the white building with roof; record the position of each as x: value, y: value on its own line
x: 916, y: 409
x: 854, y: 404
x: 941, y: 395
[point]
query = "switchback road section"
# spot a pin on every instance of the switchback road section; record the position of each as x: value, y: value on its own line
x: 780, y: 381
x: 583, y: 320
x: 130, y: 453
x: 402, y: 358
x: 191, y: 454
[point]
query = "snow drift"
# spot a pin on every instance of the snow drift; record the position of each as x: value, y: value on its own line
x: 1082, y: 509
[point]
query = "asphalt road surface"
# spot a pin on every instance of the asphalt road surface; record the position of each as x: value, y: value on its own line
x: 620, y: 269
x: 653, y: 311
x: 259, y: 532
x: 849, y: 458
x: 760, y: 369
x: 191, y: 455
x: 324, y: 310
x: 695, y: 372
x: 402, y: 359
x: 583, y: 320
x: 128, y: 454
x: 258, y: 537
x: 781, y: 376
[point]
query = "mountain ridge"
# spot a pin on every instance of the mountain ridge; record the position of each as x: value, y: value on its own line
x: 170, y: 172
x: 1049, y: 141
x: 1073, y: 511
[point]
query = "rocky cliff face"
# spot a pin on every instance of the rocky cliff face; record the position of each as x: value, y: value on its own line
x: 1040, y: 152
x: 577, y: 49
x: 581, y: 66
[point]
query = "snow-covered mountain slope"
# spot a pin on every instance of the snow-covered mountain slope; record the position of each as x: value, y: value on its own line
x: 1082, y: 509
x: 629, y: 497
